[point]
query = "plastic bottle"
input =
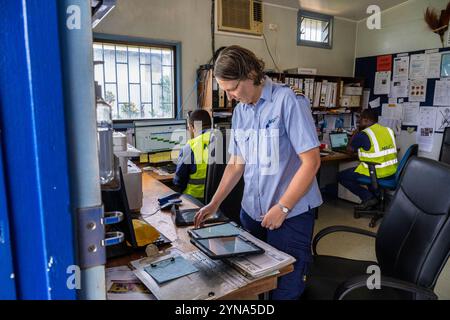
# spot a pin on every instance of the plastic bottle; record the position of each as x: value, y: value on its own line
x: 105, y: 137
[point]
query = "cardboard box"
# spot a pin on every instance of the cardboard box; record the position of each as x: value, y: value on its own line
x: 350, y: 101
x: 355, y: 101
x: 353, y: 91
x: 345, y: 101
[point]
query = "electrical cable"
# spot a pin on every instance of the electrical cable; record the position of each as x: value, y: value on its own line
x: 151, y: 214
x: 268, y: 49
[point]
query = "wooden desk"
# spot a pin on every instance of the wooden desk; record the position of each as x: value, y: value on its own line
x: 164, y: 179
x: 338, y: 156
x: 163, y: 221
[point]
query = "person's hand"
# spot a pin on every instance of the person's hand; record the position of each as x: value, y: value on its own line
x: 204, y: 213
x: 274, y: 218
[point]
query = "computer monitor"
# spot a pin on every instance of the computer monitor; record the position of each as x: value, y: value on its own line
x: 339, y: 141
x: 160, y: 135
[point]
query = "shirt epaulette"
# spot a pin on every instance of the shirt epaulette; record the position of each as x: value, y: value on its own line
x: 296, y: 90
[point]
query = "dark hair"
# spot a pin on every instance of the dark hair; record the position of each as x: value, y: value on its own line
x: 369, y: 115
x: 237, y: 63
x: 200, y: 115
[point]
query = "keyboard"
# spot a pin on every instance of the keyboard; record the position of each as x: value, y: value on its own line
x: 169, y: 168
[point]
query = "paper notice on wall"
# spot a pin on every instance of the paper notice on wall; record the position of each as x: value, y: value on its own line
x: 401, y: 69
x: 392, y: 111
x: 433, y: 65
x: 399, y: 89
x: 442, y: 93
x: 394, y: 124
x: 442, y: 118
x: 384, y: 63
x: 375, y: 103
x: 418, y: 90
x: 382, y: 83
x: 417, y: 66
x: 425, y: 130
x: 410, y: 113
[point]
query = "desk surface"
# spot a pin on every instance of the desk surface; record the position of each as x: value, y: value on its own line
x: 339, y: 156
x: 163, y: 221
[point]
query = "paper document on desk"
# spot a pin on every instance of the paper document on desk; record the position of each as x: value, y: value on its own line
x: 122, y: 284
x: 264, y: 264
x: 213, y: 280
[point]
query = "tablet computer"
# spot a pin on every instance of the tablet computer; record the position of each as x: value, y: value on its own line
x: 227, y: 229
x: 185, y: 217
x: 226, y: 247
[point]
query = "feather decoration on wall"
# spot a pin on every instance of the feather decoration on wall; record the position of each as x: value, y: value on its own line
x: 438, y: 23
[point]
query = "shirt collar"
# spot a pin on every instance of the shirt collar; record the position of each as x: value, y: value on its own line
x: 266, y: 93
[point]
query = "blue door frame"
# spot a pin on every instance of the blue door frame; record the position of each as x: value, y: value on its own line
x: 7, y: 284
x: 34, y: 151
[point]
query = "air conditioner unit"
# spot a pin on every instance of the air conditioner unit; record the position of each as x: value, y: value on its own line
x: 240, y: 16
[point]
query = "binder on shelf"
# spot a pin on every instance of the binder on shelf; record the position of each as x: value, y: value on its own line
x: 317, y: 91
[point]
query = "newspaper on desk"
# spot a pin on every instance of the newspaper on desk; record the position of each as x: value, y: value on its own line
x: 257, y: 266
x: 213, y: 280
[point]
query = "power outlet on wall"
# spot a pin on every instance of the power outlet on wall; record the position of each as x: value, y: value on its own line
x: 273, y: 26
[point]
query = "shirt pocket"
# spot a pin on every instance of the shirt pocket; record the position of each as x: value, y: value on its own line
x: 243, y: 142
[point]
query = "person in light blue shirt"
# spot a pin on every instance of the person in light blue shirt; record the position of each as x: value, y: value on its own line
x: 274, y: 145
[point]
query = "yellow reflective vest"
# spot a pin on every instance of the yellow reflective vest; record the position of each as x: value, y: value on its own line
x: 383, y: 150
x: 199, y: 147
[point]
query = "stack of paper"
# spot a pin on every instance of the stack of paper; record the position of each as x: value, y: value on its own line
x: 122, y: 284
x: 263, y: 264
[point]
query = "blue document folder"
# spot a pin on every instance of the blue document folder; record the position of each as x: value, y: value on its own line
x: 170, y: 269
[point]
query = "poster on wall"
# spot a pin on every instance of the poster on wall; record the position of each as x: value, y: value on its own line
x: 382, y: 83
x: 418, y: 90
x: 399, y: 89
x: 425, y: 131
x: 442, y: 93
x: 384, y: 63
x: 445, y: 65
x: 433, y: 65
x: 410, y: 113
x: 417, y: 67
x: 442, y: 119
x: 401, y: 68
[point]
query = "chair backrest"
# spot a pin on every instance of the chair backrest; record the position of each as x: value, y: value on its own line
x: 411, y: 152
x: 445, y: 149
x: 231, y: 206
x: 413, y: 241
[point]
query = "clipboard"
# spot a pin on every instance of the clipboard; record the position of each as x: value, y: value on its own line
x: 169, y: 269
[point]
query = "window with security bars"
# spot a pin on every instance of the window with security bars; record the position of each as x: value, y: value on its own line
x: 314, y: 29
x: 137, y: 81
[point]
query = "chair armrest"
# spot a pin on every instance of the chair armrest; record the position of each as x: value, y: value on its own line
x: 361, y: 281
x: 333, y: 229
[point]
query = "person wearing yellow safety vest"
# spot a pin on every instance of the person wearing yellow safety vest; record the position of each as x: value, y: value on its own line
x: 190, y: 173
x: 374, y: 143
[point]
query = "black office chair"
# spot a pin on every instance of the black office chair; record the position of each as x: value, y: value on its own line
x: 412, y: 243
x: 231, y: 206
x: 382, y: 185
x: 445, y: 149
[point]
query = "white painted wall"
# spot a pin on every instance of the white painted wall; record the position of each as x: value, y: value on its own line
x: 403, y: 29
x: 188, y: 21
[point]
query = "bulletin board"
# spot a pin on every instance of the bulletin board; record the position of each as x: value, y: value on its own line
x: 367, y: 68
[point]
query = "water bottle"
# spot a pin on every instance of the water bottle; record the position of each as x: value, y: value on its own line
x: 105, y: 137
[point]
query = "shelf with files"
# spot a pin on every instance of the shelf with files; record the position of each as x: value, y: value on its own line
x: 327, y: 94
